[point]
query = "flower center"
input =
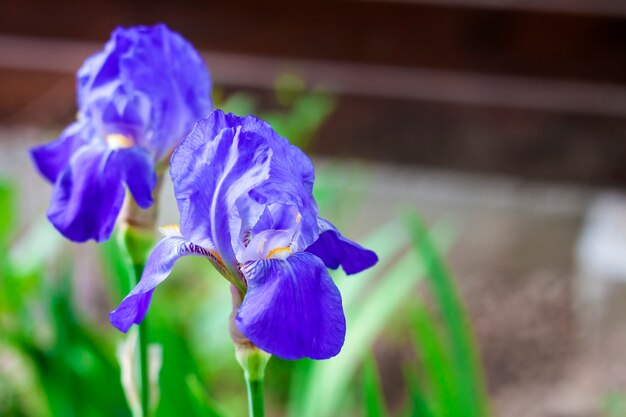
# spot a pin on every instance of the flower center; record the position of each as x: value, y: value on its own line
x: 269, y: 244
x: 117, y: 141
x: 279, y: 253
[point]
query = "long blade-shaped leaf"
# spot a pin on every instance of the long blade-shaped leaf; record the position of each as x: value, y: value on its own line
x: 419, y: 405
x: 373, y: 400
x: 201, y: 403
x: 471, y: 392
x: 437, y: 371
x: 329, y: 380
x: 8, y: 212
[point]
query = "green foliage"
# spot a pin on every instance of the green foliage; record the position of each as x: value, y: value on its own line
x: 64, y: 363
x: 66, y: 359
x: 55, y: 360
x: 371, y: 302
x: 8, y: 212
x: 201, y: 401
x: 614, y: 405
x: 456, y: 381
x: 299, y: 114
x: 372, y: 392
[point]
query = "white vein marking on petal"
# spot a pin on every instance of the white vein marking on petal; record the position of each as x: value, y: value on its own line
x: 241, y: 184
x: 261, y: 246
x: 248, y: 269
x: 230, y: 163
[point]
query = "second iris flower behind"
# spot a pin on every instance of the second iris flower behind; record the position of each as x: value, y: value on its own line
x: 137, y: 99
x: 245, y: 200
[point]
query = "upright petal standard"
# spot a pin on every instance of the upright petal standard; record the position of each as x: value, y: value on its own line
x: 137, y: 98
x: 246, y: 204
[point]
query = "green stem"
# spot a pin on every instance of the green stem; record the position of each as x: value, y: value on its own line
x: 136, y: 243
x: 255, y: 397
x: 144, y: 364
x: 253, y: 361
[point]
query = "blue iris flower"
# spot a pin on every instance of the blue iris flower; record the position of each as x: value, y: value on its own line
x: 245, y: 200
x: 137, y: 99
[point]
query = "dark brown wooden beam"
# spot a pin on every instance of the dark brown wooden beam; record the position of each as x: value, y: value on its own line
x: 478, y: 39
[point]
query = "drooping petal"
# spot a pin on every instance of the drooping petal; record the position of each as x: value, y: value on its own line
x: 138, y: 172
x: 52, y: 158
x: 335, y: 250
x: 292, y: 308
x: 133, y: 308
x: 221, y: 171
x: 87, y: 195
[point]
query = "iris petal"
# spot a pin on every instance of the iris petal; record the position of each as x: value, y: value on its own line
x: 137, y: 169
x: 133, y: 308
x: 156, y: 82
x: 292, y: 308
x: 52, y: 158
x: 207, y: 189
x: 335, y: 250
x: 87, y: 196
x: 288, y: 182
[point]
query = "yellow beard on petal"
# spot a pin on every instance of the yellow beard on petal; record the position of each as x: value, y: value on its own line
x: 117, y: 141
x: 170, y: 230
x: 279, y: 253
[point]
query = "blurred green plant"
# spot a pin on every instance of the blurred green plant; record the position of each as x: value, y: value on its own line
x: 448, y: 381
x: 298, y: 112
x: 54, y: 364
x: 372, y: 391
x: 55, y: 360
x: 199, y: 368
x: 614, y: 405
x: 453, y: 383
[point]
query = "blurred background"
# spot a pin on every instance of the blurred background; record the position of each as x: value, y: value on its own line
x: 478, y: 145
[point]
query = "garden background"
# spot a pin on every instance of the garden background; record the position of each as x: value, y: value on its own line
x: 477, y: 146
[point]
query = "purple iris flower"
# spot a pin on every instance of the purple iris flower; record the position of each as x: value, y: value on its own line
x: 245, y: 200
x: 137, y: 99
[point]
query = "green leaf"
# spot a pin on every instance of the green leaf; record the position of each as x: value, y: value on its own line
x: 8, y: 211
x: 115, y: 264
x: 40, y: 246
x: 340, y: 190
x: 373, y: 397
x: 419, y: 406
x: 307, y: 113
x: 240, y: 104
x: 288, y: 86
x: 329, y: 380
x: 201, y: 403
x: 437, y: 370
x: 74, y: 369
x: 472, y: 398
